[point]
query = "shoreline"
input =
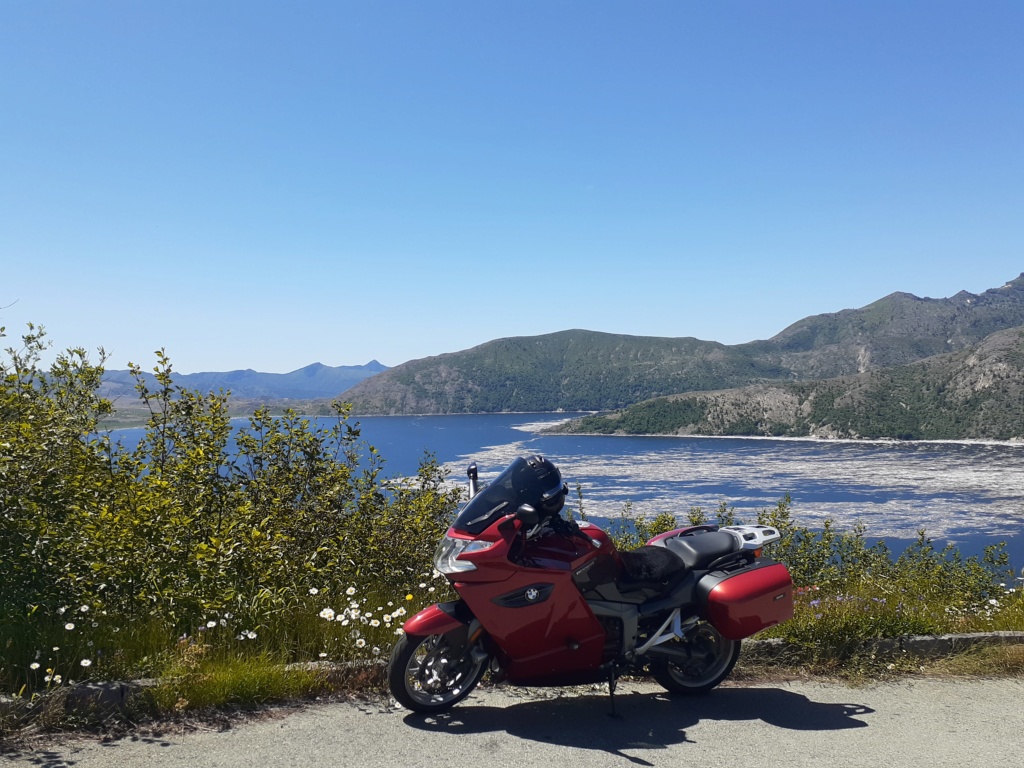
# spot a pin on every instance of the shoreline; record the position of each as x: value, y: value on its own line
x: 1013, y: 443
x: 892, y: 441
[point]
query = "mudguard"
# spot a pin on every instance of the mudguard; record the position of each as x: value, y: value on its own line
x: 439, y: 619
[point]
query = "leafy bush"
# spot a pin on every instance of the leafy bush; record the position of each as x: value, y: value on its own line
x: 849, y: 593
x: 251, y: 537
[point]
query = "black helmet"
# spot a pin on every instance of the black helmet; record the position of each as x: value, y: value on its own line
x: 529, y: 480
x: 552, y: 491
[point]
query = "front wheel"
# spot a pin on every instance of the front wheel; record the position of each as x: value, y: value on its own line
x: 700, y: 661
x: 426, y: 676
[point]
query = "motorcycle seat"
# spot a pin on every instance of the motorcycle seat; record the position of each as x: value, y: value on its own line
x: 701, y: 550
x: 649, y: 567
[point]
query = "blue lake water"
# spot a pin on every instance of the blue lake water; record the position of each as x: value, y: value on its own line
x: 969, y: 493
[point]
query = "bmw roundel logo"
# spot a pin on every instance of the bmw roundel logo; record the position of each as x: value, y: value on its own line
x: 532, y: 594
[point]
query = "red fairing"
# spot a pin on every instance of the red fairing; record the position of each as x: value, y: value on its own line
x: 431, y: 621
x: 555, y: 634
x: 751, y: 600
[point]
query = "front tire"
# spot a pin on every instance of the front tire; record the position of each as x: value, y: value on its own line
x: 703, y: 660
x: 424, y: 677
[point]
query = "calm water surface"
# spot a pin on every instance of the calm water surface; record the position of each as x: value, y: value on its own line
x: 969, y: 493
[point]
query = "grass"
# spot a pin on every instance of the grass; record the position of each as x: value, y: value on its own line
x: 219, y: 668
x: 998, y: 661
x: 332, y: 640
x: 867, y: 666
x: 200, y: 682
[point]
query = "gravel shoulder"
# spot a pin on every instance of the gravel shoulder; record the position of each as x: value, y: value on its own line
x: 918, y: 723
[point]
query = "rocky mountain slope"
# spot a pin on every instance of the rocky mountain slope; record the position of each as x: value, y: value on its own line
x: 585, y: 370
x: 974, y: 393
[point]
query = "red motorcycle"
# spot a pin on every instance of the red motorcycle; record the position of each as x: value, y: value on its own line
x: 546, y: 601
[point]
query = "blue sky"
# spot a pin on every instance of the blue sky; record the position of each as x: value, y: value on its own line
x: 266, y: 185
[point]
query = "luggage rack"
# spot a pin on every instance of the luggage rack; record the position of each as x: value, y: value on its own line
x: 753, y: 536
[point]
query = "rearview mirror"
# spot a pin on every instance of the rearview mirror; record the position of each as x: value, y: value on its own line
x: 527, y: 515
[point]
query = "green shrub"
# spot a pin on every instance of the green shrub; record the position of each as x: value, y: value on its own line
x: 113, y: 553
x: 849, y: 593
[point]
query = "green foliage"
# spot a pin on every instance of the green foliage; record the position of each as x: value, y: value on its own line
x: 630, y: 531
x: 973, y: 394
x: 112, y: 552
x: 570, y: 370
x: 849, y: 593
x: 201, y: 675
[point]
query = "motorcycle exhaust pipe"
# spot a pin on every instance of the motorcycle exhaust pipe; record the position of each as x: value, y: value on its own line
x: 668, y: 654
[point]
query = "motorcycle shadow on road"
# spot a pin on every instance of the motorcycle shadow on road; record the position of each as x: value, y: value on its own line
x: 645, y: 721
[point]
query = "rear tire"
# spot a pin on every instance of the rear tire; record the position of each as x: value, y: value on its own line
x: 705, y: 659
x: 424, y: 678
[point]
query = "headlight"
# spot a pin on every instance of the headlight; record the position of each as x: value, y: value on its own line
x: 447, y: 552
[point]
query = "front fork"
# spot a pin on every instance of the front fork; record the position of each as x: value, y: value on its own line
x: 460, y: 628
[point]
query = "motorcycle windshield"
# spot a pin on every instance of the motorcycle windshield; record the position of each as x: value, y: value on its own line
x: 517, y: 484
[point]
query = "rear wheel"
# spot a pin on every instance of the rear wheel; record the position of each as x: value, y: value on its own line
x: 702, y: 660
x: 426, y: 676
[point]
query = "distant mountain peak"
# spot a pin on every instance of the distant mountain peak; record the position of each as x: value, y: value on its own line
x: 1017, y: 284
x: 313, y: 381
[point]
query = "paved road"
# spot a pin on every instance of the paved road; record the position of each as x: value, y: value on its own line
x: 929, y: 723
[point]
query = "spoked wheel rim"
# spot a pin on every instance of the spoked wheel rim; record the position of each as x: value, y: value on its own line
x: 433, y: 678
x: 705, y: 659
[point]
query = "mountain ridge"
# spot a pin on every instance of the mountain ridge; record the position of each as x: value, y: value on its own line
x: 312, y: 381
x: 976, y: 393
x: 595, y: 371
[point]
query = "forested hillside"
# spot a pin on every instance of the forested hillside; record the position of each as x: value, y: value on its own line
x: 585, y: 370
x: 976, y: 393
x: 569, y: 370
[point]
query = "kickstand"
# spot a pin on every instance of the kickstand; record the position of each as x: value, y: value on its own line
x: 613, y: 680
